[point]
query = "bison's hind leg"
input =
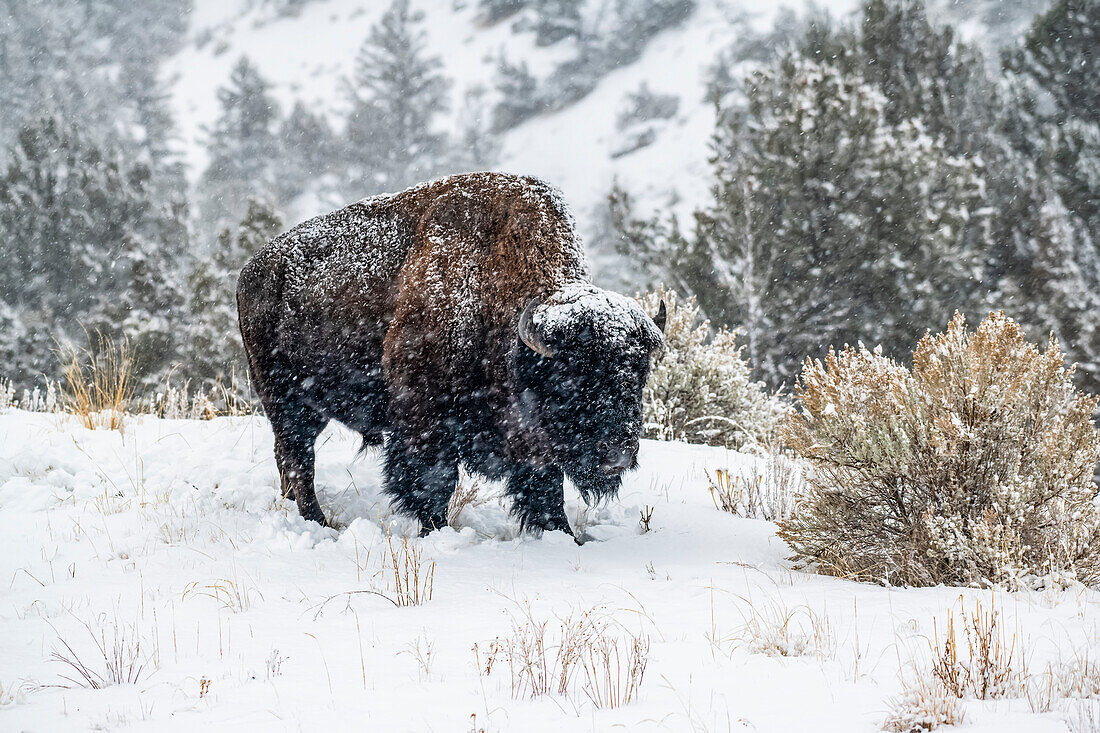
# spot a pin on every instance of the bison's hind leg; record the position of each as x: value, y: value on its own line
x: 296, y: 428
x: 419, y: 482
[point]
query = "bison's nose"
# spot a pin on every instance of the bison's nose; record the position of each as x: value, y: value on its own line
x: 616, y: 459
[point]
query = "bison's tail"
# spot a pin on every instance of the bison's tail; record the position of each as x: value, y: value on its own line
x: 259, y: 289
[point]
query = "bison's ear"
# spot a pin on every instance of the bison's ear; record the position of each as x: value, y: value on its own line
x: 661, y: 317
x: 528, y: 334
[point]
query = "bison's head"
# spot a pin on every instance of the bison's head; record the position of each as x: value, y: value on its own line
x: 582, y: 359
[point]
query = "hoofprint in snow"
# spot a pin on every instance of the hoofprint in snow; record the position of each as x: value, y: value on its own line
x: 248, y: 617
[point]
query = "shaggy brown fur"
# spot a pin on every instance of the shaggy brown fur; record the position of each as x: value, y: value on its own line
x: 397, y: 315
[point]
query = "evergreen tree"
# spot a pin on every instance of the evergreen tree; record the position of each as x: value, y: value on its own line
x: 478, y: 144
x: 96, y: 62
x: 1060, y: 53
x: 556, y: 20
x: 243, y: 147
x: 495, y: 10
x: 71, y: 210
x: 519, y: 95
x: 309, y: 150
x: 145, y: 309
x: 396, y: 93
x: 215, y: 350
x: 924, y: 72
x: 656, y: 249
x: 831, y: 225
x: 1051, y: 217
x: 636, y: 22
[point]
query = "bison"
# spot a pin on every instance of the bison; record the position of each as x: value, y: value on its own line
x: 454, y: 323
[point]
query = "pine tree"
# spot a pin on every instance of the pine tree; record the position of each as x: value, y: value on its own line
x: 243, y: 147
x: 1058, y: 68
x: 519, y: 95
x: 829, y: 224
x: 145, y: 309
x: 95, y: 62
x: 636, y: 22
x: 924, y: 72
x: 396, y: 93
x: 1051, y: 214
x: 309, y: 151
x: 214, y: 342
x: 556, y: 20
x: 495, y: 10
x: 478, y: 144
x: 1060, y: 53
x: 70, y: 207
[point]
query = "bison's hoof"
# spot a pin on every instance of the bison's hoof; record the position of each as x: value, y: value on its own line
x: 314, y: 514
x: 430, y: 525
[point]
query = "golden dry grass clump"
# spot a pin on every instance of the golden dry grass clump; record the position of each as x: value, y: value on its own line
x: 973, y: 468
x: 98, y: 382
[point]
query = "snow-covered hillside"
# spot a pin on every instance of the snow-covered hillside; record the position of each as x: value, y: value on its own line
x: 248, y: 618
x: 307, y: 56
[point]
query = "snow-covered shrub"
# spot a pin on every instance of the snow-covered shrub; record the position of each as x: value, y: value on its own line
x: 217, y: 399
x: 637, y: 115
x: 700, y: 389
x: 645, y: 105
x: 923, y: 705
x: 776, y: 630
x: 974, y: 467
x: 7, y: 395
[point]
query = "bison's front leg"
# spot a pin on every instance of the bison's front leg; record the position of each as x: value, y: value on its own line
x: 420, y: 481
x: 538, y: 498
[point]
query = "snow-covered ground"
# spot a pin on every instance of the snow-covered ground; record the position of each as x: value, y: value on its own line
x: 249, y: 618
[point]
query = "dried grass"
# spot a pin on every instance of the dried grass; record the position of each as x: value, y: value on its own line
x: 466, y: 494
x: 413, y: 578
x: 923, y: 705
x: 991, y: 665
x: 614, y: 669
x: 584, y: 655
x: 230, y: 594
x: 982, y: 661
x: 774, y: 629
x: 98, y: 382
x: 1084, y: 717
x: 120, y: 658
x: 769, y: 494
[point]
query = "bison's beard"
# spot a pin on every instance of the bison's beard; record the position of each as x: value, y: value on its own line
x: 596, y: 486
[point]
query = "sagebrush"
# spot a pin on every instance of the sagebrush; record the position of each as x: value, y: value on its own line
x: 974, y: 467
x: 700, y: 389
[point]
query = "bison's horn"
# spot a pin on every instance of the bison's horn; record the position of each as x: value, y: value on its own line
x: 527, y: 332
x: 661, y: 317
